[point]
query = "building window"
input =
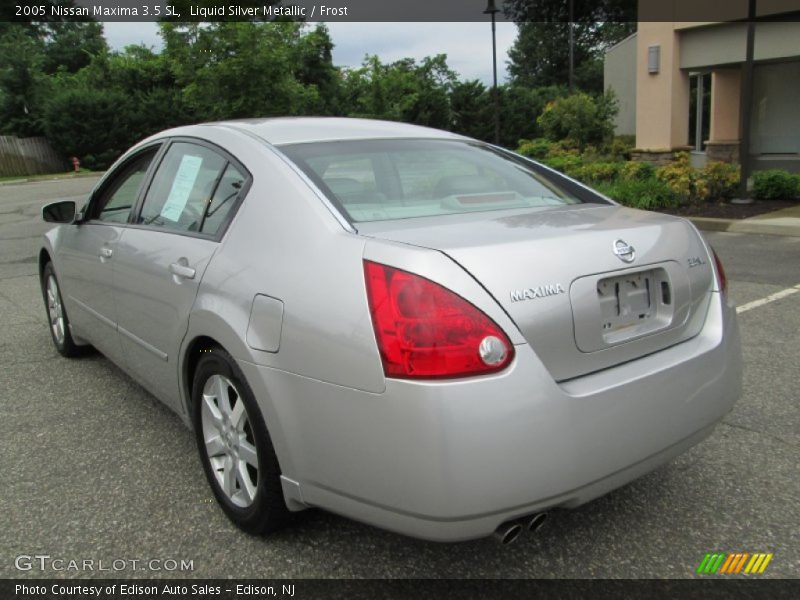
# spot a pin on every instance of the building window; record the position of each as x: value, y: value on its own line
x: 699, y: 110
x: 775, y: 125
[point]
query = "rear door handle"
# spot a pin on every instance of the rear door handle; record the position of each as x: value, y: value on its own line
x: 106, y: 252
x: 180, y: 270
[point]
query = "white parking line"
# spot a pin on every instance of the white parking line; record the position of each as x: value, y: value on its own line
x: 768, y: 299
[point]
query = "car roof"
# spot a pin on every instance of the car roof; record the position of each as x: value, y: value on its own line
x: 297, y: 130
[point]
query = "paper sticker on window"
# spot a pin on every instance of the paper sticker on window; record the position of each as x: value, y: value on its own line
x: 181, y: 187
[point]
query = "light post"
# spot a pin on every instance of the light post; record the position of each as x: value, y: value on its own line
x: 745, y: 108
x: 492, y: 10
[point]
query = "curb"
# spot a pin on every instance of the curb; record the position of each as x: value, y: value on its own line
x: 65, y: 177
x: 761, y: 226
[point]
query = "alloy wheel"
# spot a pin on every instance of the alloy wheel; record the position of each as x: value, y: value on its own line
x: 55, y: 310
x: 229, y: 441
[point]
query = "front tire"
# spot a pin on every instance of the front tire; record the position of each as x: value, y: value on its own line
x: 235, y: 448
x: 57, y: 314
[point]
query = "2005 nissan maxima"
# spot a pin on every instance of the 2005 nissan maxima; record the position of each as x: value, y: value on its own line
x: 397, y: 324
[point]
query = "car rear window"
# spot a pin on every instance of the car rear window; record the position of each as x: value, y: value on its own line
x: 378, y: 180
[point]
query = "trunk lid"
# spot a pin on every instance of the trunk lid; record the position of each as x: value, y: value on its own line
x: 567, y: 279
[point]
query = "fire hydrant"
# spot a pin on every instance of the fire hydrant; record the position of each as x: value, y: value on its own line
x: 76, y: 164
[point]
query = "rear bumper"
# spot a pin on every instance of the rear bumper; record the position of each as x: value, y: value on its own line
x: 452, y: 461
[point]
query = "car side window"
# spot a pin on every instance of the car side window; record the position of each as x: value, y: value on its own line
x: 189, y: 190
x: 117, y: 198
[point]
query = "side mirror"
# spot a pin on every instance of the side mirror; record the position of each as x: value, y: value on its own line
x: 60, y: 212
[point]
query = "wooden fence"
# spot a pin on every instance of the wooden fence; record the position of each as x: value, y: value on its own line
x: 28, y: 156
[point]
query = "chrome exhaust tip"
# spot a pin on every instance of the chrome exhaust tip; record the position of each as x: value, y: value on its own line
x: 508, y: 533
x: 535, y: 522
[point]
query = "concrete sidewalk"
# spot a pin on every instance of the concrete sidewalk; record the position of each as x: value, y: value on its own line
x: 781, y: 222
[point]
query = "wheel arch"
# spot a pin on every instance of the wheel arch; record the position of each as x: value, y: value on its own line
x: 218, y: 336
x: 208, y: 330
x: 205, y: 328
x: 191, y: 357
x: 44, y: 258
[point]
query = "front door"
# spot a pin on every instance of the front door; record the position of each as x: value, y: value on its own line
x: 86, y: 255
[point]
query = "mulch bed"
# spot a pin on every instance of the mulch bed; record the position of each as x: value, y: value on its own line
x: 726, y: 210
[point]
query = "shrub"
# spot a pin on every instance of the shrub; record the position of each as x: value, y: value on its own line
x: 621, y: 147
x: 579, y: 118
x: 536, y: 149
x: 648, y: 194
x: 722, y: 179
x: 566, y: 162
x: 637, y: 170
x: 775, y: 184
x: 685, y: 181
x: 592, y: 173
x: 563, y: 147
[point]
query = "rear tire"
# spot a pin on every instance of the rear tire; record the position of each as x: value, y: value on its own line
x: 235, y: 448
x: 57, y: 314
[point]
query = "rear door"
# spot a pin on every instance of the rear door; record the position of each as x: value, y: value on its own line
x: 87, y: 250
x: 163, y: 254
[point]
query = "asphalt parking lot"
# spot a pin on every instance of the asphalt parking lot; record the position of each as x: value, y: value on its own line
x: 93, y: 467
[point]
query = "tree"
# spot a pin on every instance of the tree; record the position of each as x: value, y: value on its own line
x: 472, y: 109
x: 402, y: 91
x: 434, y: 80
x: 29, y: 52
x: 124, y: 96
x: 70, y: 46
x: 246, y: 69
x: 540, y: 54
x: 22, y: 83
x: 314, y: 57
x: 520, y: 107
x: 146, y: 78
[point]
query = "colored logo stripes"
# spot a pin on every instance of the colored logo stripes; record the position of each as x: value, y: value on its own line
x: 734, y: 563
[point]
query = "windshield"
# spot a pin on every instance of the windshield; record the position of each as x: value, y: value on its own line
x: 379, y: 180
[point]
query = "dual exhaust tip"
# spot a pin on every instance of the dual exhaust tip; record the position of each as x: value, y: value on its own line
x: 510, y: 531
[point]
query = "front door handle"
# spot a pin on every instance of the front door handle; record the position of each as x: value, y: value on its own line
x: 180, y: 270
x: 106, y: 252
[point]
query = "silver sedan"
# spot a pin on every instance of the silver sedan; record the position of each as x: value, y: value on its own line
x: 397, y: 324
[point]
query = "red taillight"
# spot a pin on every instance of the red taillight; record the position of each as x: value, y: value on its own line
x: 721, y: 278
x: 426, y: 331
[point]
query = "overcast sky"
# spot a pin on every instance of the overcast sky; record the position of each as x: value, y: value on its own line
x: 468, y: 45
